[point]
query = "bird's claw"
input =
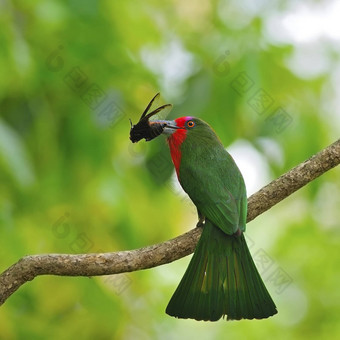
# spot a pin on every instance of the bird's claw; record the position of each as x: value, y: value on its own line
x: 237, y: 233
x: 200, y: 222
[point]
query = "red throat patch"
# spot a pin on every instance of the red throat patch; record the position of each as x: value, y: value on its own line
x: 175, y: 141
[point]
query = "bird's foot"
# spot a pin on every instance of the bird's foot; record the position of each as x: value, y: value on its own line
x: 200, y: 222
x: 238, y: 232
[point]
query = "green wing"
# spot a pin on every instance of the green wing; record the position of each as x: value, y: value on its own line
x: 217, y: 188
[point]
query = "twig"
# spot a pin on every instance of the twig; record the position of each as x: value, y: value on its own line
x: 29, y: 267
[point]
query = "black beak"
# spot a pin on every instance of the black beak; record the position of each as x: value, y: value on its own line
x: 169, y: 126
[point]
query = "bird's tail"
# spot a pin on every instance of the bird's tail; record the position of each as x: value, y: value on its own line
x: 221, y: 280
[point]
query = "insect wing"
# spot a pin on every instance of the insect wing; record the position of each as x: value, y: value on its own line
x: 161, y: 112
x: 154, y: 99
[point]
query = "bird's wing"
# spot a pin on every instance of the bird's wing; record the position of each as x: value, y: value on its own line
x: 219, y: 194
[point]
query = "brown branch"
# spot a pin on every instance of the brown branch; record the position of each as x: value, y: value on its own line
x: 27, y: 268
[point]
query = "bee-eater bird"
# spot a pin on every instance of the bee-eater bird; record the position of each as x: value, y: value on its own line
x: 221, y: 279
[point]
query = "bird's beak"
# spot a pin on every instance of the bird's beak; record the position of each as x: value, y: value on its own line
x: 169, y: 126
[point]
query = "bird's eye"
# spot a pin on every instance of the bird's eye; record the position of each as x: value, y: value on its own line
x: 190, y: 124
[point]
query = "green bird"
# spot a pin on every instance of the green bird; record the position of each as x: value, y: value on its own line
x: 221, y: 279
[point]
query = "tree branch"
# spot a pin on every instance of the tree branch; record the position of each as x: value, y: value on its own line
x: 29, y: 267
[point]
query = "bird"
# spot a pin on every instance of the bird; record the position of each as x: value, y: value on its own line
x: 221, y: 280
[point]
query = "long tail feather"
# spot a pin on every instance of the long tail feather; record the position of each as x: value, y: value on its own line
x: 221, y: 281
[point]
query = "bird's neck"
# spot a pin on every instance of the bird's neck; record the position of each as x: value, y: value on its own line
x: 175, y: 141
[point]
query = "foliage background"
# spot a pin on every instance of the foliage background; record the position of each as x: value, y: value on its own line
x: 73, y: 72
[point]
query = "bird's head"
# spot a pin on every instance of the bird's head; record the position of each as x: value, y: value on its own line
x: 192, y: 132
x: 187, y: 127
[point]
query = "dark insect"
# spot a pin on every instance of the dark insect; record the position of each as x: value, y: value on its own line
x: 147, y: 129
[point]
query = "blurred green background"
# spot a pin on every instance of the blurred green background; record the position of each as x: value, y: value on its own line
x: 264, y: 74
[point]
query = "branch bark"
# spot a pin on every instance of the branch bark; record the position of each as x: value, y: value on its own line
x: 29, y: 267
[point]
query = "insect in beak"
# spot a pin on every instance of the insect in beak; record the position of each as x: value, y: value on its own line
x: 148, y: 129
